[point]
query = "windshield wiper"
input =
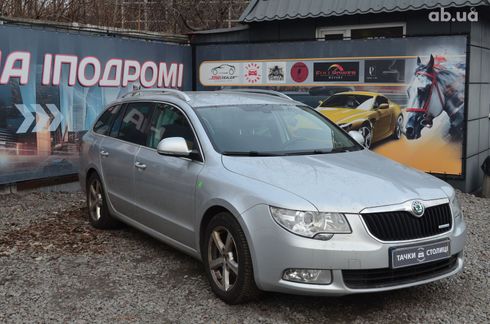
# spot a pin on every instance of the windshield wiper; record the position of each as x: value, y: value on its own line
x: 309, y: 152
x: 343, y: 149
x: 250, y: 153
x: 315, y: 152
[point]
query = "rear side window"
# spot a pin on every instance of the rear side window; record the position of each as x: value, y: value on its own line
x: 135, y: 122
x: 117, y: 122
x: 103, y: 124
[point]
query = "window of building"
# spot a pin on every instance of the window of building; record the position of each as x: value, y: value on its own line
x: 361, y: 31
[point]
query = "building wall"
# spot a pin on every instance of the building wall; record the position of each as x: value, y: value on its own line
x: 417, y: 24
x: 305, y: 29
x: 478, y: 135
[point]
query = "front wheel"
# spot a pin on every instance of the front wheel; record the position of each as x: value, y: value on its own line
x: 227, y: 260
x: 397, y: 134
x: 367, y: 132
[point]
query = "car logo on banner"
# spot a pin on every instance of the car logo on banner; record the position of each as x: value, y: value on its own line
x: 389, y: 71
x: 276, y: 72
x: 339, y: 71
x: 253, y: 73
x: 218, y: 73
x: 418, y: 208
x: 224, y: 69
x: 299, y: 72
x: 372, y: 71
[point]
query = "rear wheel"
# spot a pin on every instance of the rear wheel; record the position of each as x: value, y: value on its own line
x: 227, y: 260
x: 98, y: 212
x: 397, y: 134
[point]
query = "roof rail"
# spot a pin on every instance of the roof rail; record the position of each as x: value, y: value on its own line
x: 174, y: 92
x: 261, y: 91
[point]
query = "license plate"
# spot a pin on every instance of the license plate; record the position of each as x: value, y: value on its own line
x: 418, y: 254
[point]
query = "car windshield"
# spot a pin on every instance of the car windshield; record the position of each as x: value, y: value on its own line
x: 270, y: 130
x: 349, y: 101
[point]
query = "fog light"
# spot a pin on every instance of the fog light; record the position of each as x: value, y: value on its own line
x: 310, y: 276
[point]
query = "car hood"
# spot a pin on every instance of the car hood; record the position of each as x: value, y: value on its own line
x: 342, y: 182
x: 344, y: 115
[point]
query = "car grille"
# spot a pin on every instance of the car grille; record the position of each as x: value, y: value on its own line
x: 386, y: 277
x: 402, y: 225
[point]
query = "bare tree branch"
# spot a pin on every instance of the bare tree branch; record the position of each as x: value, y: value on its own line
x: 171, y: 16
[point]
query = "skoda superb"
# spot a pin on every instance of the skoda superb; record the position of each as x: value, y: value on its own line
x: 269, y: 194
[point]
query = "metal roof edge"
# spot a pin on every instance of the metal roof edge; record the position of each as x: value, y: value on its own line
x: 410, y: 7
x: 248, y: 10
x: 220, y: 30
x: 102, y: 30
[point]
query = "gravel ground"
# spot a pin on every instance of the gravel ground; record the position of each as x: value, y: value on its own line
x: 54, y: 267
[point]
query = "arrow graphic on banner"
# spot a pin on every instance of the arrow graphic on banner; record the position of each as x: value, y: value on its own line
x: 39, y: 116
x: 58, y: 117
x: 28, y: 118
x: 42, y: 119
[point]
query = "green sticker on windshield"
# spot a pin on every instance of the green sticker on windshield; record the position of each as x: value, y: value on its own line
x: 199, y: 184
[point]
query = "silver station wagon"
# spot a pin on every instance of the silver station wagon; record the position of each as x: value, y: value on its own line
x: 269, y: 194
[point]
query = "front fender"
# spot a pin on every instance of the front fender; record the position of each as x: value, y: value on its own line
x: 241, y: 194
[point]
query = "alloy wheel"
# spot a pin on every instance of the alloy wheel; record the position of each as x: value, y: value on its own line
x: 367, y: 133
x: 95, y: 200
x: 399, y: 126
x: 223, y: 258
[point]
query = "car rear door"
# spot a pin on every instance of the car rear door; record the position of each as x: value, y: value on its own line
x: 117, y: 154
x: 165, y: 186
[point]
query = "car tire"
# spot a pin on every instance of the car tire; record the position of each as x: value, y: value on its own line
x: 228, y: 268
x: 98, y: 212
x: 366, y: 130
x: 397, y: 134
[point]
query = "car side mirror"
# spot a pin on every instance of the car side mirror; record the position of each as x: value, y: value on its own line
x: 357, y: 136
x: 384, y: 106
x: 174, y: 146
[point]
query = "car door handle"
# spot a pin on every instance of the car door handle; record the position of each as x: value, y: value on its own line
x: 140, y: 165
x: 104, y: 153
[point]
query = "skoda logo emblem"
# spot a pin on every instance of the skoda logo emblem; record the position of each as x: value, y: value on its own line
x: 418, y: 208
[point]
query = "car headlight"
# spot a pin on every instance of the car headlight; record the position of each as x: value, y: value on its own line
x: 456, y: 207
x: 310, y: 223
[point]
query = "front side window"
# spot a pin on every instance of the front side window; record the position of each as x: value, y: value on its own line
x: 135, y: 122
x: 103, y: 124
x: 168, y: 121
x: 268, y: 130
x: 379, y: 101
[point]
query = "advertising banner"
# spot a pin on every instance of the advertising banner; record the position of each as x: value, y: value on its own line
x: 406, y: 96
x: 54, y: 84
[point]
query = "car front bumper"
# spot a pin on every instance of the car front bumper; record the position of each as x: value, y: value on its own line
x: 274, y: 250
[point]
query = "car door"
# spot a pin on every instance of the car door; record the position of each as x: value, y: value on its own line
x: 117, y: 154
x: 165, y: 186
x: 383, y: 119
